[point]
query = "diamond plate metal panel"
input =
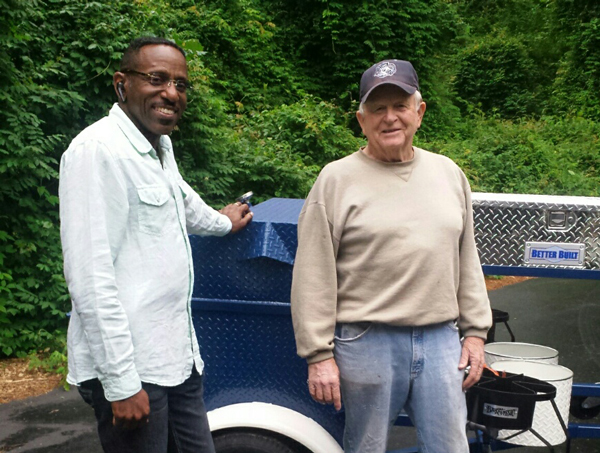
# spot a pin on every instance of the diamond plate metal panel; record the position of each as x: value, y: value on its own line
x: 505, y: 223
x: 252, y: 357
x: 254, y: 264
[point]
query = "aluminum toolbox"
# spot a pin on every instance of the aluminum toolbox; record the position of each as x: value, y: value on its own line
x: 538, y: 235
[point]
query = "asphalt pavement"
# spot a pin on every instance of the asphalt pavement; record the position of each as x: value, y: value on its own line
x: 563, y: 314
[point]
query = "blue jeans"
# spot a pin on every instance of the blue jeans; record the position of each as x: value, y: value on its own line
x: 384, y: 369
x: 177, y: 421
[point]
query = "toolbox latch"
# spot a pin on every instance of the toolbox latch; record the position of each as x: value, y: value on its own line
x: 560, y: 220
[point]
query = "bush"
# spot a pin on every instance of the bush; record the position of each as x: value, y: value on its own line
x: 548, y: 156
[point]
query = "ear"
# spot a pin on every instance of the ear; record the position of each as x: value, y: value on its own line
x: 361, y: 119
x: 421, y: 112
x: 119, y: 86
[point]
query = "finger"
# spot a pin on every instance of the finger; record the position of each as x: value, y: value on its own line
x: 319, y: 393
x: 477, y: 370
x: 463, y: 364
x: 312, y: 389
x: 327, y: 394
x: 337, y: 398
x: 464, y: 359
x: 469, y: 382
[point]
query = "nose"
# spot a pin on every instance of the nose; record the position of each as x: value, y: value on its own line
x: 389, y: 115
x: 170, y: 92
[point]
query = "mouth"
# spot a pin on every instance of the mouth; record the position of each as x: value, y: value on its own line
x: 390, y: 131
x: 165, y: 110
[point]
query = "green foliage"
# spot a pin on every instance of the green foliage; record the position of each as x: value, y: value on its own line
x: 52, y: 359
x: 495, y: 76
x: 549, y: 156
x: 284, y: 149
x: 512, y: 90
x: 32, y: 293
x: 331, y: 43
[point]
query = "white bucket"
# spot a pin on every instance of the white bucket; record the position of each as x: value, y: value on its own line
x: 545, y: 420
x: 495, y: 352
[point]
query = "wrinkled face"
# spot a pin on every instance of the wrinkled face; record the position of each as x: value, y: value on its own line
x: 390, y: 120
x: 154, y: 110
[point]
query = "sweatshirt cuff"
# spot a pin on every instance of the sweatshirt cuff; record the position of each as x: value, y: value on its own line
x: 319, y: 357
x: 123, y: 387
x: 476, y: 333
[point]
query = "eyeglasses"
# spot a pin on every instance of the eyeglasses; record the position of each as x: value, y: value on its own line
x: 156, y: 79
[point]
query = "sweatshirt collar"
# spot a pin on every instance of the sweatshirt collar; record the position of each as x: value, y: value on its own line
x: 401, y: 169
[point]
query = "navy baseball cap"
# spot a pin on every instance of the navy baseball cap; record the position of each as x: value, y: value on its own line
x: 395, y: 72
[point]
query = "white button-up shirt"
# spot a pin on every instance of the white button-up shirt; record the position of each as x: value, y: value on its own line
x: 127, y: 259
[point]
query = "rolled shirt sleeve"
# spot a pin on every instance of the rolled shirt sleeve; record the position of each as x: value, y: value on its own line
x: 201, y: 219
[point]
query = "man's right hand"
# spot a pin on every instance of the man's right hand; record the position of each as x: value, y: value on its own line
x: 132, y: 412
x: 239, y: 214
x: 324, y: 383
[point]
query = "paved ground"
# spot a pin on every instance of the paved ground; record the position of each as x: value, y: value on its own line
x: 563, y: 314
x: 58, y: 422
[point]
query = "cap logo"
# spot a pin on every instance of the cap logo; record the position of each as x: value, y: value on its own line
x: 385, y: 69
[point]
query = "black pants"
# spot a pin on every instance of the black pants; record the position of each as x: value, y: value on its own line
x: 177, y: 421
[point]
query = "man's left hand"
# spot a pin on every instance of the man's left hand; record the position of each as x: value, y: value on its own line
x: 473, y: 355
x: 239, y: 214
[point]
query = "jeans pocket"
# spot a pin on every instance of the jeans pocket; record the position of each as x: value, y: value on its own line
x: 351, y: 331
x: 453, y: 325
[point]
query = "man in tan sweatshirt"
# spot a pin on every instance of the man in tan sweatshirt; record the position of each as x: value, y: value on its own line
x: 386, y: 273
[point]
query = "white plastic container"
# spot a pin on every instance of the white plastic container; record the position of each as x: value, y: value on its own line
x: 495, y: 352
x: 545, y: 419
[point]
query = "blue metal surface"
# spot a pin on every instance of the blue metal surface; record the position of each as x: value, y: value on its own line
x: 242, y: 318
x: 580, y: 389
x: 251, y: 356
x: 254, y: 264
x: 523, y: 271
x: 583, y: 431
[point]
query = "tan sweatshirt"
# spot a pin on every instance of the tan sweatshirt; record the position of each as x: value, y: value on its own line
x: 388, y: 243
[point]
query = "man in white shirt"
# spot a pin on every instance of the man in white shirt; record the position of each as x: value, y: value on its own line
x: 125, y: 215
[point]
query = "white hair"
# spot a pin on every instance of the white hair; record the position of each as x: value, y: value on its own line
x: 417, y: 97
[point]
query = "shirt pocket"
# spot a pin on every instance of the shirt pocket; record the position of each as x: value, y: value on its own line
x: 154, y: 210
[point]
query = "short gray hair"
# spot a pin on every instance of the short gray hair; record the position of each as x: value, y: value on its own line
x: 418, y: 98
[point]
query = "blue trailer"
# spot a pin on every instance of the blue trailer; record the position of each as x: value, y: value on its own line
x: 255, y: 384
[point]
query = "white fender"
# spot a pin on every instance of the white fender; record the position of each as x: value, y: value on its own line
x: 278, y: 419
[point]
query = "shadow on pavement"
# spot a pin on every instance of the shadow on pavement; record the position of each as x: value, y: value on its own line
x: 56, y: 422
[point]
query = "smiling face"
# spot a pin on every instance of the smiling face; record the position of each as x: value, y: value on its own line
x: 154, y: 110
x: 389, y: 121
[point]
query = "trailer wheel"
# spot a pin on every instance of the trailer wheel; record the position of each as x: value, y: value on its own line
x: 577, y: 410
x: 250, y: 442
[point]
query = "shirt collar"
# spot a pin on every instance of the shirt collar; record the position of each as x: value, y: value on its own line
x: 133, y: 134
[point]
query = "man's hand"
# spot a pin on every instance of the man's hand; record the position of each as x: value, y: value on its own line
x: 239, y: 214
x: 324, y: 383
x: 472, y: 354
x: 132, y: 412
